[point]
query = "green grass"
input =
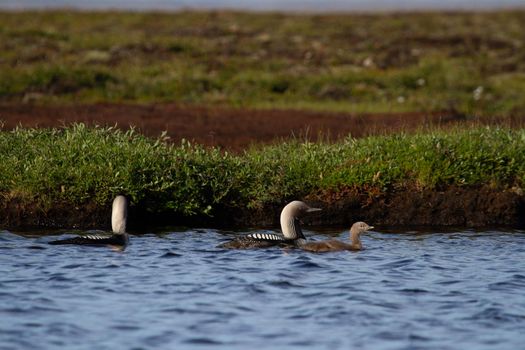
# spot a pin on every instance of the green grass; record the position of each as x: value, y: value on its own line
x: 81, y: 165
x: 473, y: 63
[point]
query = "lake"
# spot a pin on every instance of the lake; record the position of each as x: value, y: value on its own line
x: 173, y: 289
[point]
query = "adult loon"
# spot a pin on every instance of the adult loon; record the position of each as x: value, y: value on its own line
x: 290, y: 226
x: 334, y: 245
x: 118, y: 239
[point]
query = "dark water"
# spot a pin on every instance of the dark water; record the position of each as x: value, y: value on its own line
x: 175, y: 290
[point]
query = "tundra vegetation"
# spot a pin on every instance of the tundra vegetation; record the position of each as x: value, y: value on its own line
x: 472, y: 63
x: 79, y: 165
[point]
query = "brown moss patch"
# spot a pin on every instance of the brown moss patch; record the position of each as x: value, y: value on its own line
x: 230, y: 128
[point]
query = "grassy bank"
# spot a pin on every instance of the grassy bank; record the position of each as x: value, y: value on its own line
x: 79, y: 165
x: 469, y: 62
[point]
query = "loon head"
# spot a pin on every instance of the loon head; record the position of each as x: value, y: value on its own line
x: 119, y: 214
x: 290, y: 215
x: 356, y: 230
x: 360, y: 227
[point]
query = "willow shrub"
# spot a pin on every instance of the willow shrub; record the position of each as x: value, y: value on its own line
x: 79, y: 164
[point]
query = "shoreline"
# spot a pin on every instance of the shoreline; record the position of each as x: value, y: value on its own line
x: 467, y: 207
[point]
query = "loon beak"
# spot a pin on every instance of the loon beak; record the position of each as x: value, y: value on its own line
x: 311, y: 210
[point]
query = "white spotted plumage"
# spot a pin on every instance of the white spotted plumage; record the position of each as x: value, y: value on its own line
x: 265, y: 237
x: 94, y: 237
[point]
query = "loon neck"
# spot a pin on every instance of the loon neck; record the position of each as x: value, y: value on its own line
x: 290, y: 215
x: 119, y: 215
x: 355, y: 239
x: 291, y: 228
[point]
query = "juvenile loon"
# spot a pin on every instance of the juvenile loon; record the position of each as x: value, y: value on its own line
x: 290, y: 225
x: 119, y: 238
x: 334, y: 245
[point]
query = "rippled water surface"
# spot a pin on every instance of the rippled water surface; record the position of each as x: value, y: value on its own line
x: 175, y: 289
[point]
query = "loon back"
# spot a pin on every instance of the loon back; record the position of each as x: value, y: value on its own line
x: 119, y: 238
x: 257, y: 240
x: 97, y: 240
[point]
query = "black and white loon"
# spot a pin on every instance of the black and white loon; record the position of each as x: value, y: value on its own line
x: 118, y: 239
x: 290, y: 226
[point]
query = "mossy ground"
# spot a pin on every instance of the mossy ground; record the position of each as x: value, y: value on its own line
x: 473, y: 63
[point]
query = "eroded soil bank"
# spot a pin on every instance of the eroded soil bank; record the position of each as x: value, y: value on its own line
x: 455, y: 207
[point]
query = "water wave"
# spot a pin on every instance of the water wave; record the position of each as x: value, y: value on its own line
x: 176, y: 290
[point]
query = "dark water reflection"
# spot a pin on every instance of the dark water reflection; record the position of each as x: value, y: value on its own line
x: 442, y: 290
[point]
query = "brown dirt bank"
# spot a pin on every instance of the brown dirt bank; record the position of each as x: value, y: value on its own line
x: 232, y: 129
x: 454, y: 206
